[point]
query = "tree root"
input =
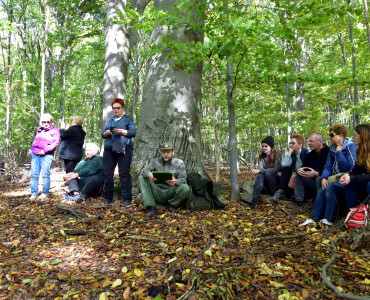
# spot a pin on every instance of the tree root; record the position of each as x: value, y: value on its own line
x: 76, y: 212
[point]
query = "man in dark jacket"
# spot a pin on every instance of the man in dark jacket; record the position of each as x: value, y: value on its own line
x: 72, y: 141
x: 308, y: 179
x: 174, y: 191
x: 87, y: 179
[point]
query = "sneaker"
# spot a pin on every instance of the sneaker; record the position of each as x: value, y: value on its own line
x: 69, y: 198
x: 33, y: 196
x: 107, y: 201
x: 125, y: 203
x: 151, y: 211
x: 171, y: 208
x: 326, y: 222
x: 244, y: 202
x: 307, y: 222
x: 43, y: 196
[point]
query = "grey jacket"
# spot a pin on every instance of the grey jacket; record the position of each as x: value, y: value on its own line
x: 175, y: 166
x: 264, y: 165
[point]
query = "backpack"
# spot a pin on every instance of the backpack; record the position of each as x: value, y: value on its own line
x: 357, y: 216
x: 202, y: 196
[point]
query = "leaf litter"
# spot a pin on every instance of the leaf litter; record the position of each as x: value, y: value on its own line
x: 52, y: 250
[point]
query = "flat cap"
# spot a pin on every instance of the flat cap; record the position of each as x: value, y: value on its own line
x: 166, y: 146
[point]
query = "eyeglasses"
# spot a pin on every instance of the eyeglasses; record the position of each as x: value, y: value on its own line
x: 45, y: 122
x: 331, y: 135
x: 310, y: 142
x: 117, y: 107
x: 292, y: 143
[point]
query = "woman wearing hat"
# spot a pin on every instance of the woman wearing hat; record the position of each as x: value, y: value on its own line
x: 269, y: 164
x: 118, y: 133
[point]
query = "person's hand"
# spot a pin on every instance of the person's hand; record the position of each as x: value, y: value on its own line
x: 70, y: 176
x: 119, y: 131
x: 339, y: 147
x: 172, y: 182
x: 290, y: 151
x: 324, y: 183
x: 42, y: 152
x: 151, y: 177
x: 107, y: 133
x: 345, y: 179
x: 255, y: 171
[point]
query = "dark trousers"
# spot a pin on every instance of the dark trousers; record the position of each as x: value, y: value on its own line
x: 285, y: 177
x: 306, y: 188
x: 93, y: 188
x: 110, y: 160
x: 269, y: 180
x: 70, y: 165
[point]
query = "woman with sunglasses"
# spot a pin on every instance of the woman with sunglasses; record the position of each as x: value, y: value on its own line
x: 118, y: 133
x: 42, y: 155
x: 341, y: 158
x: 357, y: 182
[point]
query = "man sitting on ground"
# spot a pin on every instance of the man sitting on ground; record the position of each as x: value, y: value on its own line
x: 86, y: 180
x: 174, y: 192
x: 308, y: 179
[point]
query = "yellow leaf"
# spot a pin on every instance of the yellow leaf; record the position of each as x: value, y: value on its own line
x: 116, y: 283
x: 276, y: 284
x: 208, y: 252
x: 107, y: 283
x: 137, y: 272
x: 340, y: 288
x: 247, y: 240
x: 327, y: 241
x: 124, y: 269
x: 172, y: 260
x: 50, y: 287
x: 180, y: 285
x: 366, y: 281
x: 104, y: 296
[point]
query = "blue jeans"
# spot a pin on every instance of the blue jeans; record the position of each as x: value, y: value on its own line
x: 326, y: 201
x: 268, y: 179
x: 40, y: 163
x: 354, y: 191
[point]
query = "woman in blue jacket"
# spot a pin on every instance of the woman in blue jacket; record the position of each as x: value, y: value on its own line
x: 118, y: 133
x: 341, y: 158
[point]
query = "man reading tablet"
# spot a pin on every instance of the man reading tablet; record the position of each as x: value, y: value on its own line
x: 157, y: 188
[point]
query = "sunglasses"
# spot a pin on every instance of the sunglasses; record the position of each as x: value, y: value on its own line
x: 331, y: 135
x: 45, y: 122
x: 117, y: 107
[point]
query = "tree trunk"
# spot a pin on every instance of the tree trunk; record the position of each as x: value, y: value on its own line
x: 235, y: 193
x: 46, y: 10
x: 367, y: 23
x: 170, y: 108
x: 217, y: 156
x: 117, y: 54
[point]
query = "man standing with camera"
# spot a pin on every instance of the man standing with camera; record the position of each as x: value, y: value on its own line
x: 308, y: 179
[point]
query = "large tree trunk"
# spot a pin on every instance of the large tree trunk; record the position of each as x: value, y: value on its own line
x: 170, y: 109
x: 117, y: 53
x: 45, y: 7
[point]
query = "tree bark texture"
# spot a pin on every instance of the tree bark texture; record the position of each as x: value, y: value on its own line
x: 170, y: 109
x: 117, y: 54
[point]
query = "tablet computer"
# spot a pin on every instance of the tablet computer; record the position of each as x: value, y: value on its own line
x: 161, y: 176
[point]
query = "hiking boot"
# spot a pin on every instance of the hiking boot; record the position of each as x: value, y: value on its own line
x: 326, y: 222
x: 171, y: 208
x: 107, y: 201
x: 125, y: 203
x: 151, y: 211
x: 299, y: 203
x: 279, y: 195
x: 78, y: 198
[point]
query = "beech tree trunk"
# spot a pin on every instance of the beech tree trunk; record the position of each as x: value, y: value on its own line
x: 170, y: 109
x: 45, y: 7
x: 117, y: 53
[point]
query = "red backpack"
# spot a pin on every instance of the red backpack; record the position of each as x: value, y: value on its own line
x: 357, y: 216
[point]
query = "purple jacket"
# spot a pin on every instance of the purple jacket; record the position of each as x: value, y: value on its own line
x: 46, y: 139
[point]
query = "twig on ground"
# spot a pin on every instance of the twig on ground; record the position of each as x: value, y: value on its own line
x: 76, y: 212
x: 332, y: 286
x: 141, y: 238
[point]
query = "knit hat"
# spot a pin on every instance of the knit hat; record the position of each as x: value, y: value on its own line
x: 269, y: 140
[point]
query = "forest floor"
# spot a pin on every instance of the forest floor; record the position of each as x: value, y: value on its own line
x: 53, y: 250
